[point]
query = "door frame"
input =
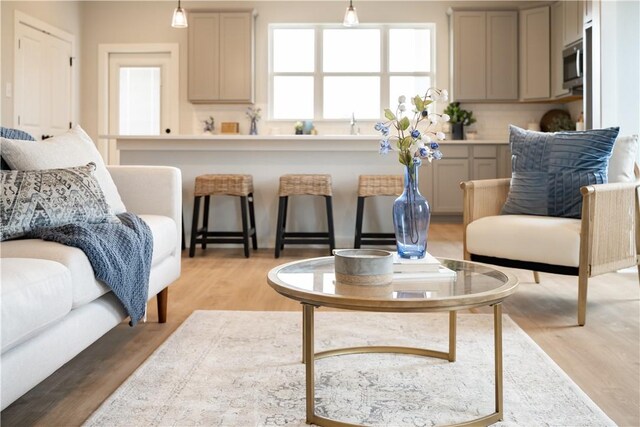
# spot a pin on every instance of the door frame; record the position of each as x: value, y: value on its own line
x: 104, y: 51
x: 21, y: 18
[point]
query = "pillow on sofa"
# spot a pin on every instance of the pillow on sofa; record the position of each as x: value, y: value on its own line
x: 548, y: 169
x: 73, y: 148
x: 12, y: 134
x: 48, y: 198
x: 623, y: 159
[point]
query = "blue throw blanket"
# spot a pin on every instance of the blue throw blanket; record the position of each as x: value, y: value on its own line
x: 120, y: 255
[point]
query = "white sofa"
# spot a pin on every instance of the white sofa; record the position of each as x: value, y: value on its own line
x: 52, y: 305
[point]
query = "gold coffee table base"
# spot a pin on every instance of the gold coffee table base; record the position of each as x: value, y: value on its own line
x: 308, y: 354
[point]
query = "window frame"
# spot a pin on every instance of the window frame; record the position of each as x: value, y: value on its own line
x: 318, y: 74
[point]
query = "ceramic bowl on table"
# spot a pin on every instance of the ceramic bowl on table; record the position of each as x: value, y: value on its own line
x: 364, y: 267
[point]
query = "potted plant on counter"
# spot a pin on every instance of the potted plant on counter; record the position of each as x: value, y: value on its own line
x: 459, y: 119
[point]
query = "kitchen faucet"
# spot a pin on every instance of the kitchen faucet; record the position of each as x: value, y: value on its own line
x: 354, y: 130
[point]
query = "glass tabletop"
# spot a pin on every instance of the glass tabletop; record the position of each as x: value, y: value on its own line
x: 462, y: 284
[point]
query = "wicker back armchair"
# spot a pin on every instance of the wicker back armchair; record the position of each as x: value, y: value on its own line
x: 606, y: 237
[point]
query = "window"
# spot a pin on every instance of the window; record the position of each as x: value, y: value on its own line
x: 327, y: 72
x: 139, y: 101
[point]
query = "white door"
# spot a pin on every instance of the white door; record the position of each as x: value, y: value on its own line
x: 140, y: 96
x: 42, y: 82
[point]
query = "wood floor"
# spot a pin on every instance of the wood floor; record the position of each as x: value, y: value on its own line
x: 603, y: 357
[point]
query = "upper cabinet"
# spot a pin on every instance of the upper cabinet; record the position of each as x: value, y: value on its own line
x: 534, y: 53
x: 557, y: 45
x: 221, y: 57
x: 485, y: 55
x: 573, y: 20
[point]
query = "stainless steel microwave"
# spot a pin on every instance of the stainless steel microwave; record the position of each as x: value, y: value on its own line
x: 572, y: 71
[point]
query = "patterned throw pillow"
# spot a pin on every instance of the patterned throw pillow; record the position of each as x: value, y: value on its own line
x: 12, y: 134
x: 48, y: 198
x: 548, y: 169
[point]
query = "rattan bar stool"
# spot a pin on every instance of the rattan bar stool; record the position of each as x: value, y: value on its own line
x: 371, y: 186
x: 223, y: 185
x: 298, y: 185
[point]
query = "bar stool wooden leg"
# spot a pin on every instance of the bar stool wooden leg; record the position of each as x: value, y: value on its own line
x: 245, y: 225
x: 183, y: 245
x: 332, y: 238
x: 205, y: 221
x: 252, y: 222
x: 284, y: 219
x: 359, y: 215
x: 194, y: 225
x: 282, y: 207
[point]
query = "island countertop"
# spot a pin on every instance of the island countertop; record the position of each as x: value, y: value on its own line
x: 237, y: 142
x: 344, y: 157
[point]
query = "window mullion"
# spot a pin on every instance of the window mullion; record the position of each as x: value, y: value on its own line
x: 384, y: 68
x: 318, y: 76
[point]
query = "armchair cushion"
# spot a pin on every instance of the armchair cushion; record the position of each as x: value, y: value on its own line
x: 542, y: 239
x: 548, y: 169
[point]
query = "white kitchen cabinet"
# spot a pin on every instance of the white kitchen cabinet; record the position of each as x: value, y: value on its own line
x: 484, y: 164
x: 502, y: 55
x: 484, y: 168
x: 573, y: 21
x: 557, y: 45
x: 469, y: 55
x: 534, y: 53
x: 447, y: 196
x: 485, y: 55
x: 504, y: 161
x: 221, y: 57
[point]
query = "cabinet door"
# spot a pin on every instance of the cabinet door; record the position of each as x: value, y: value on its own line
x: 573, y: 21
x: 204, y: 57
x: 469, y: 55
x: 557, y: 45
x: 484, y: 169
x: 502, y: 55
x: 448, y: 174
x: 236, y: 57
x: 534, y: 53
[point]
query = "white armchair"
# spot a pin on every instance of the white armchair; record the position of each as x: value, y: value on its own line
x: 605, y: 239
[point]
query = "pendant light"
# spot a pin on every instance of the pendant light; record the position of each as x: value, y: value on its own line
x: 350, y: 17
x: 179, y: 17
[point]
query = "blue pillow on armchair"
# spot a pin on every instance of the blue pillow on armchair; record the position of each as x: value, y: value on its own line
x: 548, y: 169
x: 12, y: 134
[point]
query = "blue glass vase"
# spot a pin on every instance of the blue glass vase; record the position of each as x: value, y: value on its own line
x: 411, y: 216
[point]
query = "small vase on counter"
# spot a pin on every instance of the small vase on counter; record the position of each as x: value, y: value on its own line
x: 457, y: 131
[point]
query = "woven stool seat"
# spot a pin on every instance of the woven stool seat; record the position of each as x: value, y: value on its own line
x: 380, y: 185
x: 223, y: 184
x: 313, y: 185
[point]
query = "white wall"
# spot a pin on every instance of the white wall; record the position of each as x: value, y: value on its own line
x: 97, y: 22
x: 620, y: 65
x: 65, y: 15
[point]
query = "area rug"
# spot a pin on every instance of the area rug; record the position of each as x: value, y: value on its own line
x: 231, y: 368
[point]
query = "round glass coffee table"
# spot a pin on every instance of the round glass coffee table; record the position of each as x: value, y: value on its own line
x: 469, y: 285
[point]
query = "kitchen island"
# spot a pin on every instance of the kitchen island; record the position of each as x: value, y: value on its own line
x: 344, y: 157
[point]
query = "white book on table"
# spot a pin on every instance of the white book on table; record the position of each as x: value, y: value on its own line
x: 422, y: 265
x: 443, y: 274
